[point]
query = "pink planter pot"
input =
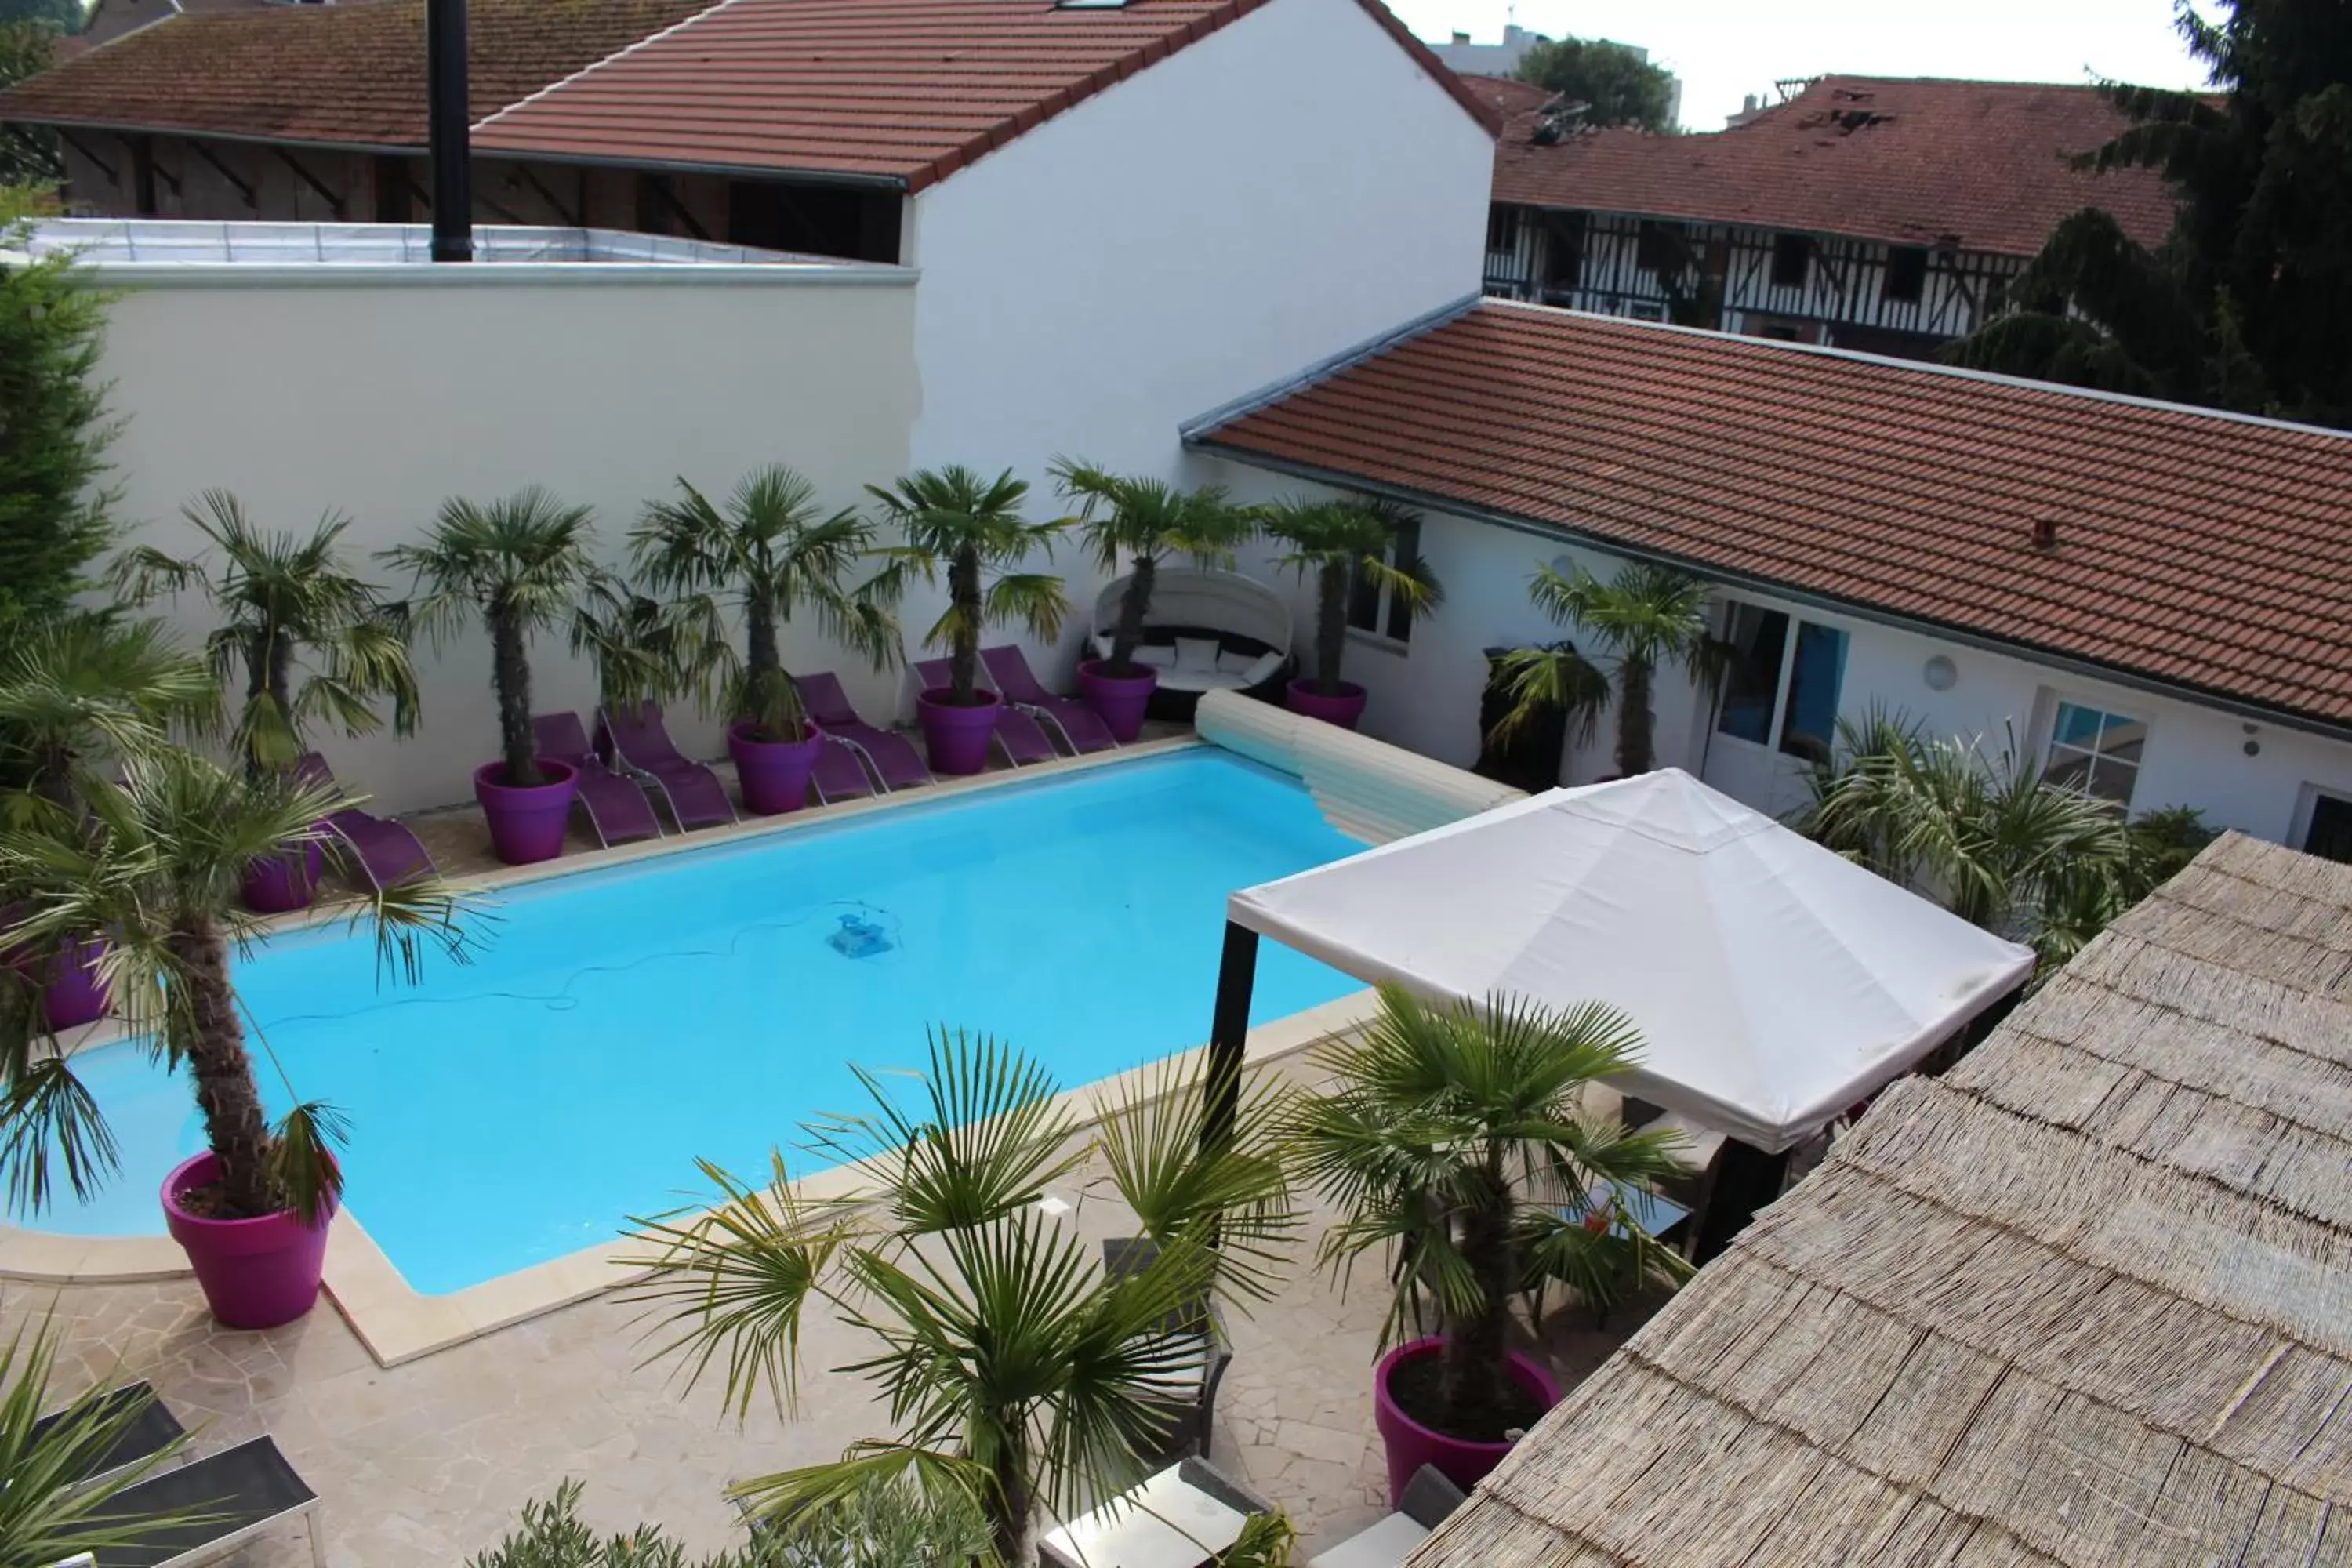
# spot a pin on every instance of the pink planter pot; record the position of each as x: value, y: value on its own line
x: 774, y: 773
x: 1410, y: 1445
x: 957, y: 737
x: 256, y: 1273
x: 526, y: 824
x: 281, y: 883
x: 1343, y: 709
x: 1120, y: 699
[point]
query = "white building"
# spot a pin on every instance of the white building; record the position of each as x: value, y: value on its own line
x: 1158, y: 214
x: 2153, y: 600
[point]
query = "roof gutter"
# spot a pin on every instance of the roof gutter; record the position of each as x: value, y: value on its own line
x: 1204, y: 439
x: 670, y: 166
x: 112, y: 128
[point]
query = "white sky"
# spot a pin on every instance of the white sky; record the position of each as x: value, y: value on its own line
x: 1724, y: 49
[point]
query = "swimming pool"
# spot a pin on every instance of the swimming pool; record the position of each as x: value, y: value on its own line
x: 619, y: 1024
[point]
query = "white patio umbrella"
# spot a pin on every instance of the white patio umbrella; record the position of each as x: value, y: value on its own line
x: 1774, y: 984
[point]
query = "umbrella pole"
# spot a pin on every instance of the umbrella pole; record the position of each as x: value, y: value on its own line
x: 1745, y: 1179
x: 1228, y: 1034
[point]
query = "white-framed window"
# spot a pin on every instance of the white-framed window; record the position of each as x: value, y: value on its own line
x: 1373, y: 608
x: 1782, y: 682
x: 2094, y: 751
x: 2323, y: 823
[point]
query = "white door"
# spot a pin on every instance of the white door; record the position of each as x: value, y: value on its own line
x: 1777, y: 715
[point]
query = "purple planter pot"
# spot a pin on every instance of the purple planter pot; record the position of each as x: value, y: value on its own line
x: 526, y: 824
x: 256, y: 1273
x: 774, y: 774
x: 277, y: 883
x: 957, y: 737
x: 1344, y: 709
x: 1410, y: 1445
x: 1120, y: 699
x: 72, y: 994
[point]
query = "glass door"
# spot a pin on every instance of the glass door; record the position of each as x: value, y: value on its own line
x: 1777, y: 711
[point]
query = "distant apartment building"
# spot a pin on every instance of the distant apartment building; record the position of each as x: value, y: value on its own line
x: 1863, y: 212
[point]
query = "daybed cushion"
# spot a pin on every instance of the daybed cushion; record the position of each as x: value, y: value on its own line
x: 1159, y: 656
x: 1197, y: 654
x: 1182, y: 680
x: 1261, y: 669
x: 1102, y: 645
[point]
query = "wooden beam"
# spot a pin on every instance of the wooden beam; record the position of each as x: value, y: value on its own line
x: 678, y: 209
x: 334, y: 200
x: 92, y: 158
x: 251, y: 198
x: 571, y: 219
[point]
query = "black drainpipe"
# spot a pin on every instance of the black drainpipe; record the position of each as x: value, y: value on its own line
x: 453, y: 184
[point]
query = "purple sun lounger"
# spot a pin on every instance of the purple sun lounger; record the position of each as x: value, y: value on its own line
x: 1022, y: 740
x: 641, y: 746
x: 617, y: 809
x: 1082, y: 728
x: 892, y: 757
x: 385, y: 850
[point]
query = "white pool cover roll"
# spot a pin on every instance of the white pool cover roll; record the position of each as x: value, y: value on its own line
x: 1774, y: 984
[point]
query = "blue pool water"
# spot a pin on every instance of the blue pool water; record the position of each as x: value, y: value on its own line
x: 618, y: 1025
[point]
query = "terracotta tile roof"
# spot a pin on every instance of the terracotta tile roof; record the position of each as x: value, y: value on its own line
x: 1508, y: 95
x: 1914, y: 163
x: 2193, y: 550
x: 902, y: 90
x: 351, y: 74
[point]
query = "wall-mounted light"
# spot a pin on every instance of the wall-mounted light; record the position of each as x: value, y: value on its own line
x: 1940, y: 673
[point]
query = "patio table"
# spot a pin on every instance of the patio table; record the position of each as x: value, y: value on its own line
x: 1166, y: 1523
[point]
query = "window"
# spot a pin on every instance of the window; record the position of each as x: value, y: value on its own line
x: 1782, y: 687
x: 1371, y: 608
x: 2094, y: 752
x: 1906, y: 274
x: 1792, y: 254
x: 1563, y: 250
x: 1502, y: 227
x: 1658, y: 246
x: 2329, y: 836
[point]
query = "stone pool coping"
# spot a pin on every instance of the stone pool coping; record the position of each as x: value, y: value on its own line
x: 398, y: 1323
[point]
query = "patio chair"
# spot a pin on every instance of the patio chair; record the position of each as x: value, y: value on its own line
x: 386, y: 851
x: 641, y: 745
x: 1082, y: 728
x: 1183, y: 1517
x: 618, y: 808
x: 1018, y: 734
x: 1185, y: 1400
x: 146, y: 1434
x: 1428, y: 1499
x: 233, y: 1495
x: 893, y: 760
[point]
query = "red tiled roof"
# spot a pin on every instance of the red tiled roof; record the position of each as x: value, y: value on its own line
x: 1509, y: 95
x: 351, y: 74
x: 1979, y: 164
x: 2193, y: 550
x: 902, y: 90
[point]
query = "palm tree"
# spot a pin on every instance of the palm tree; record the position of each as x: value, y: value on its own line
x: 519, y: 562
x: 157, y: 865
x: 773, y: 551
x: 1145, y: 521
x: 307, y: 634
x: 955, y: 519
x: 1643, y: 618
x: 50, y: 1511
x: 638, y: 647
x: 1456, y: 1136
x: 1017, y: 1370
x: 1341, y: 543
x: 87, y: 689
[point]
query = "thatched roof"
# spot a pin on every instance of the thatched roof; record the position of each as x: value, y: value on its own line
x: 2086, y: 1300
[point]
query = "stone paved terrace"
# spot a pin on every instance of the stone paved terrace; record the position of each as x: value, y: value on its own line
x: 422, y: 1465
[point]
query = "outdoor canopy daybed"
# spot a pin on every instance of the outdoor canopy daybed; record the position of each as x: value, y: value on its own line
x: 1774, y: 982
x: 1192, y: 608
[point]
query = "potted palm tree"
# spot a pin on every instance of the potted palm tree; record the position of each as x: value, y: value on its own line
x: 1020, y: 1370
x: 1142, y: 522
x: 1343, y: 543
x: 307, y: 634
x: 519, y: 562
x: 955, y: 519
x: 157, y: 865
x: 76, y: 695
x: 773, y: 551
x: 1454, y: 1140
x: 1644, y: 616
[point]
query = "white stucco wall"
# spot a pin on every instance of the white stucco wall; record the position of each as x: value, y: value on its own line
x: 1281, y: 191
x: 382, y: 392
x: 1425, y: 694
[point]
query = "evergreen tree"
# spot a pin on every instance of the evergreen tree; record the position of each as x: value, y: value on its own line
x: 59, y: 15
x: 28, y: 154
x: 1616, y: 84
x: 54, y: 432
x: 2248, y: 304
